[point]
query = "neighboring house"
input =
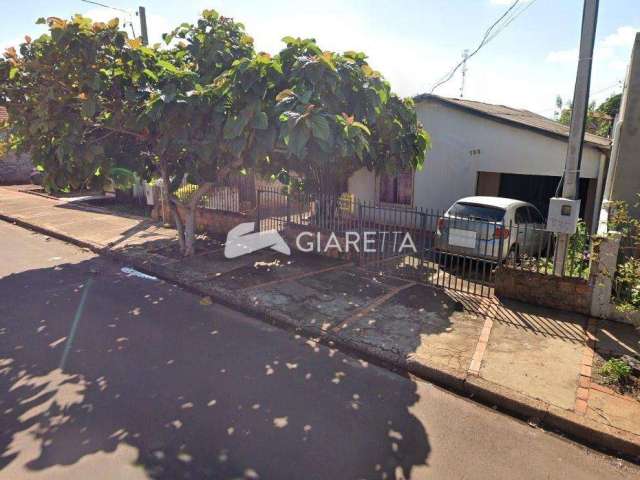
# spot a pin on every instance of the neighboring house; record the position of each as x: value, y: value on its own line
x: 13, y: 168
x: 623, y: 179
x: 484, y: 149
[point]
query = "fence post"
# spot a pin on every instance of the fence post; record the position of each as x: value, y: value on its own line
x: 604, y: 259
x: 288, y: 208
x: 423, y: 233
x: 258, y: 213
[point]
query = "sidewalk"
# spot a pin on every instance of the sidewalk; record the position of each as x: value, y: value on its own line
x: 531, y: 362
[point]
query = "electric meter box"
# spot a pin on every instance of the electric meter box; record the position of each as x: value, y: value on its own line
x: 563, y: 215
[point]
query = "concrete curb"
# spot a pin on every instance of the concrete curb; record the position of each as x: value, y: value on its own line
x: 593, y: 434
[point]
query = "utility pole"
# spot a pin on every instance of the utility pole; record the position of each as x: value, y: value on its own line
x: 465, y: 56
x: 143, y: 25
x: 578, y: 118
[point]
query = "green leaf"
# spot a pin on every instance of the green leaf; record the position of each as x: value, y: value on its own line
x: 320, y: 127
x: 41, y: 21
x: 362, y: 127
x: 150, y: 75
x: 327, y: 59
x: 13, y: 72
x: 169, y: 67
x: 298, y: 139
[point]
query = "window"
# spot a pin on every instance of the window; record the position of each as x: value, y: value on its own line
x: 396, y: 188
x: 476, y: 212
x: 535, y: 215
x: 522, y: 215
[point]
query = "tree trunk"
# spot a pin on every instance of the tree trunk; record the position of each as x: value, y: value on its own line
x: 168, y: 201
x: 187, y: 230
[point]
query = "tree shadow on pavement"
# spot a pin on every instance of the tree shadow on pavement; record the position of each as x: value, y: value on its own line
x: 174, y: 388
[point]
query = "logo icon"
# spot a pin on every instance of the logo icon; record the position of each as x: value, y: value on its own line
x: 241, y: 241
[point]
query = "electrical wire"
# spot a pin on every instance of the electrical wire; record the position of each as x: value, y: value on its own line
x: 107, y: 6
x: 510, y: 14
x: 117, y: 9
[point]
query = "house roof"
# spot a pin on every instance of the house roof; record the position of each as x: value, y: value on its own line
x: 4, y: 115
x: 515, y: 117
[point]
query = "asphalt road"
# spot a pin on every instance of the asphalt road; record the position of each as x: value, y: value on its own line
x: 105, y: 375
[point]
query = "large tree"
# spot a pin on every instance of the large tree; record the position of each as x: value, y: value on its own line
x: 201, y: 107
x: 60, y: 101
x: 321, y: 114
x: 181, y: 113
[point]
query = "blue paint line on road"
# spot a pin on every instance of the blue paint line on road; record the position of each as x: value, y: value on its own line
x: 74, y: 325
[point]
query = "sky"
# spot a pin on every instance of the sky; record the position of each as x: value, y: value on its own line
x: 413, y: 43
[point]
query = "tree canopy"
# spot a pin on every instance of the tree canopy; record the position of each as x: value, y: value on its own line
x: 85, y: 98
x: 59, y: 100
x: 599, y: 119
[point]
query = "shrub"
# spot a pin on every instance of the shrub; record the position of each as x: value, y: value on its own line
x: 615, y: 370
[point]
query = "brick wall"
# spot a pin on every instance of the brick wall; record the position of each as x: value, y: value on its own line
x: 570, y: 294
x: 15, y: 169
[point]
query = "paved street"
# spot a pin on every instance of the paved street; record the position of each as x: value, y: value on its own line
x: 110, y: 376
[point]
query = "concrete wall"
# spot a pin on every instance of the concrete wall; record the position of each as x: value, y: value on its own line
x: 623, y: 180
x: 465, y: 144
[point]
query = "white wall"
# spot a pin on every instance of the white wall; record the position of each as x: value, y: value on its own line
x: 451, y: 167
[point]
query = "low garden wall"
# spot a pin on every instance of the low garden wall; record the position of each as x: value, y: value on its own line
x: 562, y: 293
x: 216, y: 222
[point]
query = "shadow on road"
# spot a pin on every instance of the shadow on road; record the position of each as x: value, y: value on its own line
x: 184, y: 390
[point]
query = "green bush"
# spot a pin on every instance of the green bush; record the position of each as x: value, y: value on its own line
x: 615, y: 370
x: 626, y: 288
x: 122, y: 178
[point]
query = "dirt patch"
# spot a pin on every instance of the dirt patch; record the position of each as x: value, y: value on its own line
x: 204, y: 245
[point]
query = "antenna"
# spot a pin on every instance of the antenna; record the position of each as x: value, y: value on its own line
x: 465, y: 56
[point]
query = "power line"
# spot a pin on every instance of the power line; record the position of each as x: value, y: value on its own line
x: 117, y: 9
x: 489, y: 35
x: 107, y: 6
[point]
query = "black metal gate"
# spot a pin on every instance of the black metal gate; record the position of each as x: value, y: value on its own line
x: 458, y: 251
x: 410, y: 243
x: 426, y: 246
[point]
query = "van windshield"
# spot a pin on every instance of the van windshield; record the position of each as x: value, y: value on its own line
x: 477, y: 212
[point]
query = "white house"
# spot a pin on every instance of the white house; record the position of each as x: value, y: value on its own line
x: 484, y: 149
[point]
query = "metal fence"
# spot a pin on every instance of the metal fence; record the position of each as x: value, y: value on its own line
x: 431, y: 246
